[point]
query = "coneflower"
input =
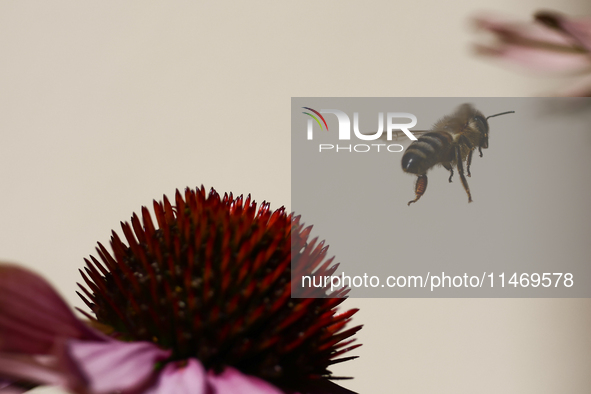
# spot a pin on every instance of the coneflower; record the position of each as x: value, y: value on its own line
x: 197, y: 300
x: 552, y: 43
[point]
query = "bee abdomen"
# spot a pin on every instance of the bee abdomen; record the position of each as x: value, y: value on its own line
x: 429, y: 150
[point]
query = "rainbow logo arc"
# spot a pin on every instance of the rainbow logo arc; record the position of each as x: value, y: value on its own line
x: 315, y: 118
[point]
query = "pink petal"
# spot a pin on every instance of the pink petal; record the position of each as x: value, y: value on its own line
x: 537, y: 58
x: 578, y: 28
x: 114, y: 365
x: 231, y: 381
x: 517, y: 31
x: 30, y: 369
x: 189, y: 379
x: 32, y: 314
x: 9, y: 388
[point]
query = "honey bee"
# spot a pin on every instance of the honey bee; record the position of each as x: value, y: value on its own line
x: 450, y: 142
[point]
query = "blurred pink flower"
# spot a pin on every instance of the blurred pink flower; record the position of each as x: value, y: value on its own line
x: 553, y: 43
x: 198, y: 305
x: 44, y: 343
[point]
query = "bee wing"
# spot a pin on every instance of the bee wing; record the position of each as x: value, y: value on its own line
x: 399, y: 136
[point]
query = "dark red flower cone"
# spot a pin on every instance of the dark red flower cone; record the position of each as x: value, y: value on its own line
x: 211, y: 279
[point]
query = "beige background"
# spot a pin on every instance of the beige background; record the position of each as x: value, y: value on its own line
x: 106, y: 105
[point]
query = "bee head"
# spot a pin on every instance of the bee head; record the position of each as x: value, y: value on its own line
x: 482, y: 125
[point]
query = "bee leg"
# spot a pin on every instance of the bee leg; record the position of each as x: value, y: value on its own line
x: 480, y: 150
x: 448, y: 167
x: 420, y: 188
x: 467, y: 142
x: 461, y: 172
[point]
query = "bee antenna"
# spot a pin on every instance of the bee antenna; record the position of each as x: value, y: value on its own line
x: 502, y: 113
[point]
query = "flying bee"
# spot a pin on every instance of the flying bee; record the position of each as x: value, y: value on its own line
x: 450, y: 142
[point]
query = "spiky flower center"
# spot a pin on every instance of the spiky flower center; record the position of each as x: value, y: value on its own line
x: 212, y: 281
